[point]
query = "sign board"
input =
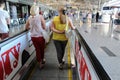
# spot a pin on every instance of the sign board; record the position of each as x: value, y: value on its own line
x: 85, y: 68
x: 11, y: 59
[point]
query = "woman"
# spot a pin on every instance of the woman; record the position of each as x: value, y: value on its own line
x: 97, y: 16
x: 89, y: 17
x: 35, y: 23
x: 58, y: 27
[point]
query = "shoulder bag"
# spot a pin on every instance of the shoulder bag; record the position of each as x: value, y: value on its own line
x: 45, y: 34
x: 68, y: 31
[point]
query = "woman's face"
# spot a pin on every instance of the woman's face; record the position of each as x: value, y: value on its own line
x: 62, y: 11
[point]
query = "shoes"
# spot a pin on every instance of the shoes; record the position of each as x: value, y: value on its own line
x: 63, y: 61
x: 43, y: 61
x: 73, y: 66
x: 61, y: 66
x: 41, y: 66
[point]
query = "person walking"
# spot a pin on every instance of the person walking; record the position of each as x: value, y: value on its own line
x: 60, y: 40
x: 89, y: 17
x: 4, y: 21
x: 117, y: 19
x: 97, y: 16
x: 36, y: 23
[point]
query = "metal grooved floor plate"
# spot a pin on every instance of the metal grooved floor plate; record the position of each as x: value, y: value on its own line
x: 110, y: 53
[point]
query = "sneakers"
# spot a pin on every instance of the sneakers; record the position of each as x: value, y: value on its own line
x: 41, y: 65
x: 43, y: 61
x: 63, y: 61
x: 61, y: 66
x: 73, y: 66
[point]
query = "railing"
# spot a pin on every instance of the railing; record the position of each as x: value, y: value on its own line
x: 101, y: 73
x: 87, y: 63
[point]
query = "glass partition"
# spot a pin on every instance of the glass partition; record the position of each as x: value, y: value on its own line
x: 19, y: 13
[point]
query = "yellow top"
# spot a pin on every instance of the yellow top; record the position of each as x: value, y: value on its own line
x: 58, y: 26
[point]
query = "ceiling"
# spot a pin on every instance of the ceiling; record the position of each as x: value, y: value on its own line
x: 74, y: 3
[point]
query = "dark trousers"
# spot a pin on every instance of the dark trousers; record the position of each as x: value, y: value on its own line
x: 60, y: 48
x: 97, y: 19
x: 39, y: 44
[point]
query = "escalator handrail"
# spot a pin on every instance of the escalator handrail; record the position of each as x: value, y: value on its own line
x: 94, y: 61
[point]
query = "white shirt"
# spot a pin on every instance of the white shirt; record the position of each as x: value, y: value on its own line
x: 3, y: 23
x: 89, y: 15
x: 35, y: 26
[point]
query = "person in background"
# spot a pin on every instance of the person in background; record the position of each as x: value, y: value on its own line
x: 84, y: 14
x: 36, y: 23
x: 89, y: 17
x: 50, y: 14
x: 97, y: 16
x: 117, y: 20
x: 58, y: 27
x: 4, y: 21
x: 26, y: 16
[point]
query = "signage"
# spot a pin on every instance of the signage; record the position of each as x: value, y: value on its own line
x: 9, y: 61
x: 85, y: 69
x: 12, y: 56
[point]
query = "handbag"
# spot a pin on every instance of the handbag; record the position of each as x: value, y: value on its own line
x: 68, y: 31
x: 46, y: 36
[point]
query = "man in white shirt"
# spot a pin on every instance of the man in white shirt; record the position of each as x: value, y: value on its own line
x: 4, y: 20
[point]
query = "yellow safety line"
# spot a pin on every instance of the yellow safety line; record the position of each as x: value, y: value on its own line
x: 69, y: 62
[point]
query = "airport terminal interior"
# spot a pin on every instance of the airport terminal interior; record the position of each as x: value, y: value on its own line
x: 91, y: 49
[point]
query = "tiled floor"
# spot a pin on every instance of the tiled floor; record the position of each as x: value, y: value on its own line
x: 104, y: 42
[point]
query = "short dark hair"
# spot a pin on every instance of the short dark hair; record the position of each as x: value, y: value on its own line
x: 2, y: 2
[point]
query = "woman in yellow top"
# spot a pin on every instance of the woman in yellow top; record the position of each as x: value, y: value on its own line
x: 60, y: 40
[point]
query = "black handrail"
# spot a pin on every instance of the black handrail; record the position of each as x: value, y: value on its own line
x: 17, y: 34
x: 95, y: 62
